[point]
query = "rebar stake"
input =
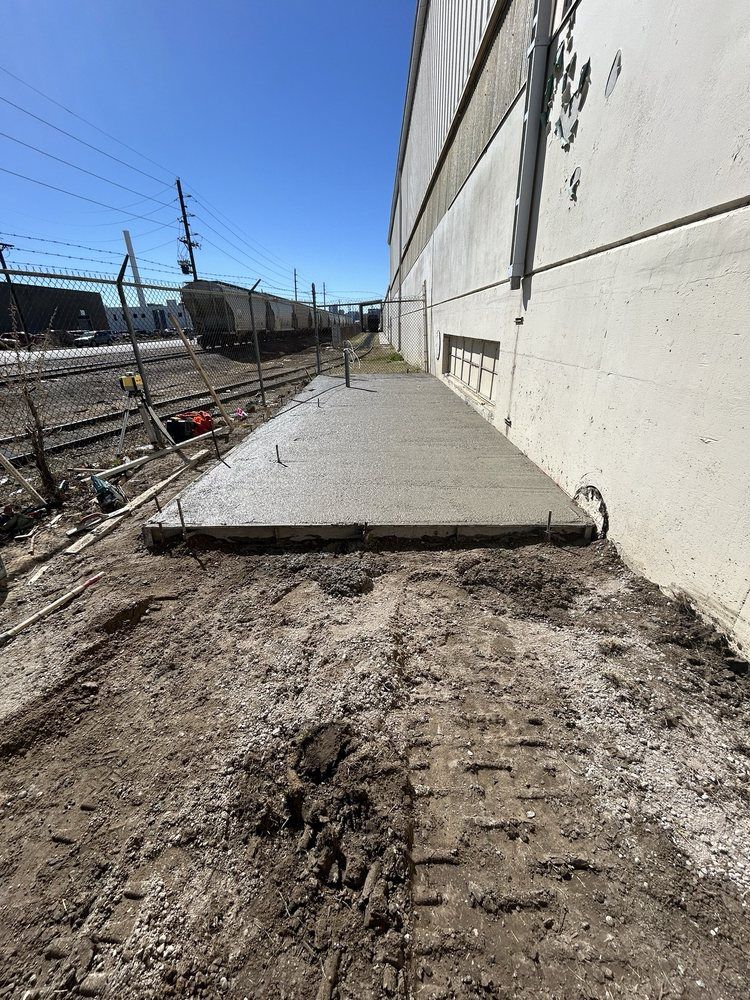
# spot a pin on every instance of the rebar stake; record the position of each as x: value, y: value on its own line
x: 182, y: 520
x: 218, y: 451
x: 278, y: 457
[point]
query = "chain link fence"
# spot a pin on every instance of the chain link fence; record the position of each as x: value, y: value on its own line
x: 385, y: 338
x: 68, y: 340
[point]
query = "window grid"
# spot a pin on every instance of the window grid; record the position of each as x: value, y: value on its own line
x: 475, y: 364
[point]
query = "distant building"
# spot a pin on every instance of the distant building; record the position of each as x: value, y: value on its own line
x: 43, y: 308
x: 151, y: 319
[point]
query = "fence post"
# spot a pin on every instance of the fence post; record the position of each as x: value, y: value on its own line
x: 256, y: 346
x: 11, y: 289
x: 317, y: 331
x: 131, y: 331
x: 398, y: 348
x: 426, y: 329
x: 347, y: 373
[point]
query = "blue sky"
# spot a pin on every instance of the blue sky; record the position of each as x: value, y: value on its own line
x: 281, y: 118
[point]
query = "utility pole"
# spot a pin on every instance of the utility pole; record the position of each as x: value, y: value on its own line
x: 295, y: 284
x: 324, y: 294
x: 187, y: 239
x: 13, y: 296
x: 134, y: 269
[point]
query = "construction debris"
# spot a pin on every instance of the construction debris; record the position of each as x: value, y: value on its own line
x: 11, y: 633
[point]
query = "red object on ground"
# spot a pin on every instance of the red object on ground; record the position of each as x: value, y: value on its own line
x: 201, y: 420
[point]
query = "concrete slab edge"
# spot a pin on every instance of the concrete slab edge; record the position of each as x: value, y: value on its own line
x: 155, y: 533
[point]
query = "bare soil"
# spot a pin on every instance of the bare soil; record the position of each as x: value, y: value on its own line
x: 474, y: 772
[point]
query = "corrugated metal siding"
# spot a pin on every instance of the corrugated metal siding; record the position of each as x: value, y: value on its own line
x: 502, y: 76
x: 452, y: 38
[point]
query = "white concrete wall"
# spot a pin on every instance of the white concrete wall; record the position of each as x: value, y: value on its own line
x: 631, y: 374
x: 630, y: 369
x: 672, y: 138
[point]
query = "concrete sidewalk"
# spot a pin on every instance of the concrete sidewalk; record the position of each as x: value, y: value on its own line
x: 392, y: 456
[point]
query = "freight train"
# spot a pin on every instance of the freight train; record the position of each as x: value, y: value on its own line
x: 221, y: 314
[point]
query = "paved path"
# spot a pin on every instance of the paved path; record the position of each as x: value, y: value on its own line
x: 397, y: 455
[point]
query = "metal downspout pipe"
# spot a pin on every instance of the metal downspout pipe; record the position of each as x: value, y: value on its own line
x: 532, y: 124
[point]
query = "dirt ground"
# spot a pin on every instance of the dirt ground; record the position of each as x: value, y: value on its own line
x: 512, y: 772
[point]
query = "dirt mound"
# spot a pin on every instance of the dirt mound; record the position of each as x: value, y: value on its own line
x: 529, y: 582
x: 322, y: 749
x: 349, y: 575
x: 333, y: 839
x: 339, y: 580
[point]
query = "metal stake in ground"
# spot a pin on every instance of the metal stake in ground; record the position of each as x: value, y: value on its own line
x: 218, y: 452
x: 182, y: 520
x: 317, y: 331
x: 346, y: 368
x: 256, y: 347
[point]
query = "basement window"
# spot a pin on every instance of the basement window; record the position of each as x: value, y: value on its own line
x: 474, y: 363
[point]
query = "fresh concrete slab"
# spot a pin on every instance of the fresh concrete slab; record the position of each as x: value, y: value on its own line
x: 394, y: 455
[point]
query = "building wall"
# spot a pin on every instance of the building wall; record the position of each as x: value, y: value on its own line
x: 437, y: 162
x: 143, y: 318
x: 452, y: 37
x: 45, y: 307
x: 629, y: 369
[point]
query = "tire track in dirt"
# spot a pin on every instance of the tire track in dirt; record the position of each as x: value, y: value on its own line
x: 524, y: 883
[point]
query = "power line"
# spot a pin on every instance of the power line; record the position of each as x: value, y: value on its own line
x: 52, y: 253
x: 248, y: 242
x: 101, y: 177
x: 61, y: 243
x: 82, y: 246
x: 93, y: 275
x: 159, y: 246
x: 266, y: 267
x: 82, y: 197
x: 83, y: 142
x: 139, y: 201
x: 91, y: 260
x: 242, y: 263
x: 159, y: 265
x: 255, y: 245
x: 139, y: 236
x: 245, y: 277
x: 77, y: 246
x: 85, y: 120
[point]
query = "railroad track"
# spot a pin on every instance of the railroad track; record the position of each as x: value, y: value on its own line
x: 73, y: 370
x: 107, y: 424
x: 70, y: 371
